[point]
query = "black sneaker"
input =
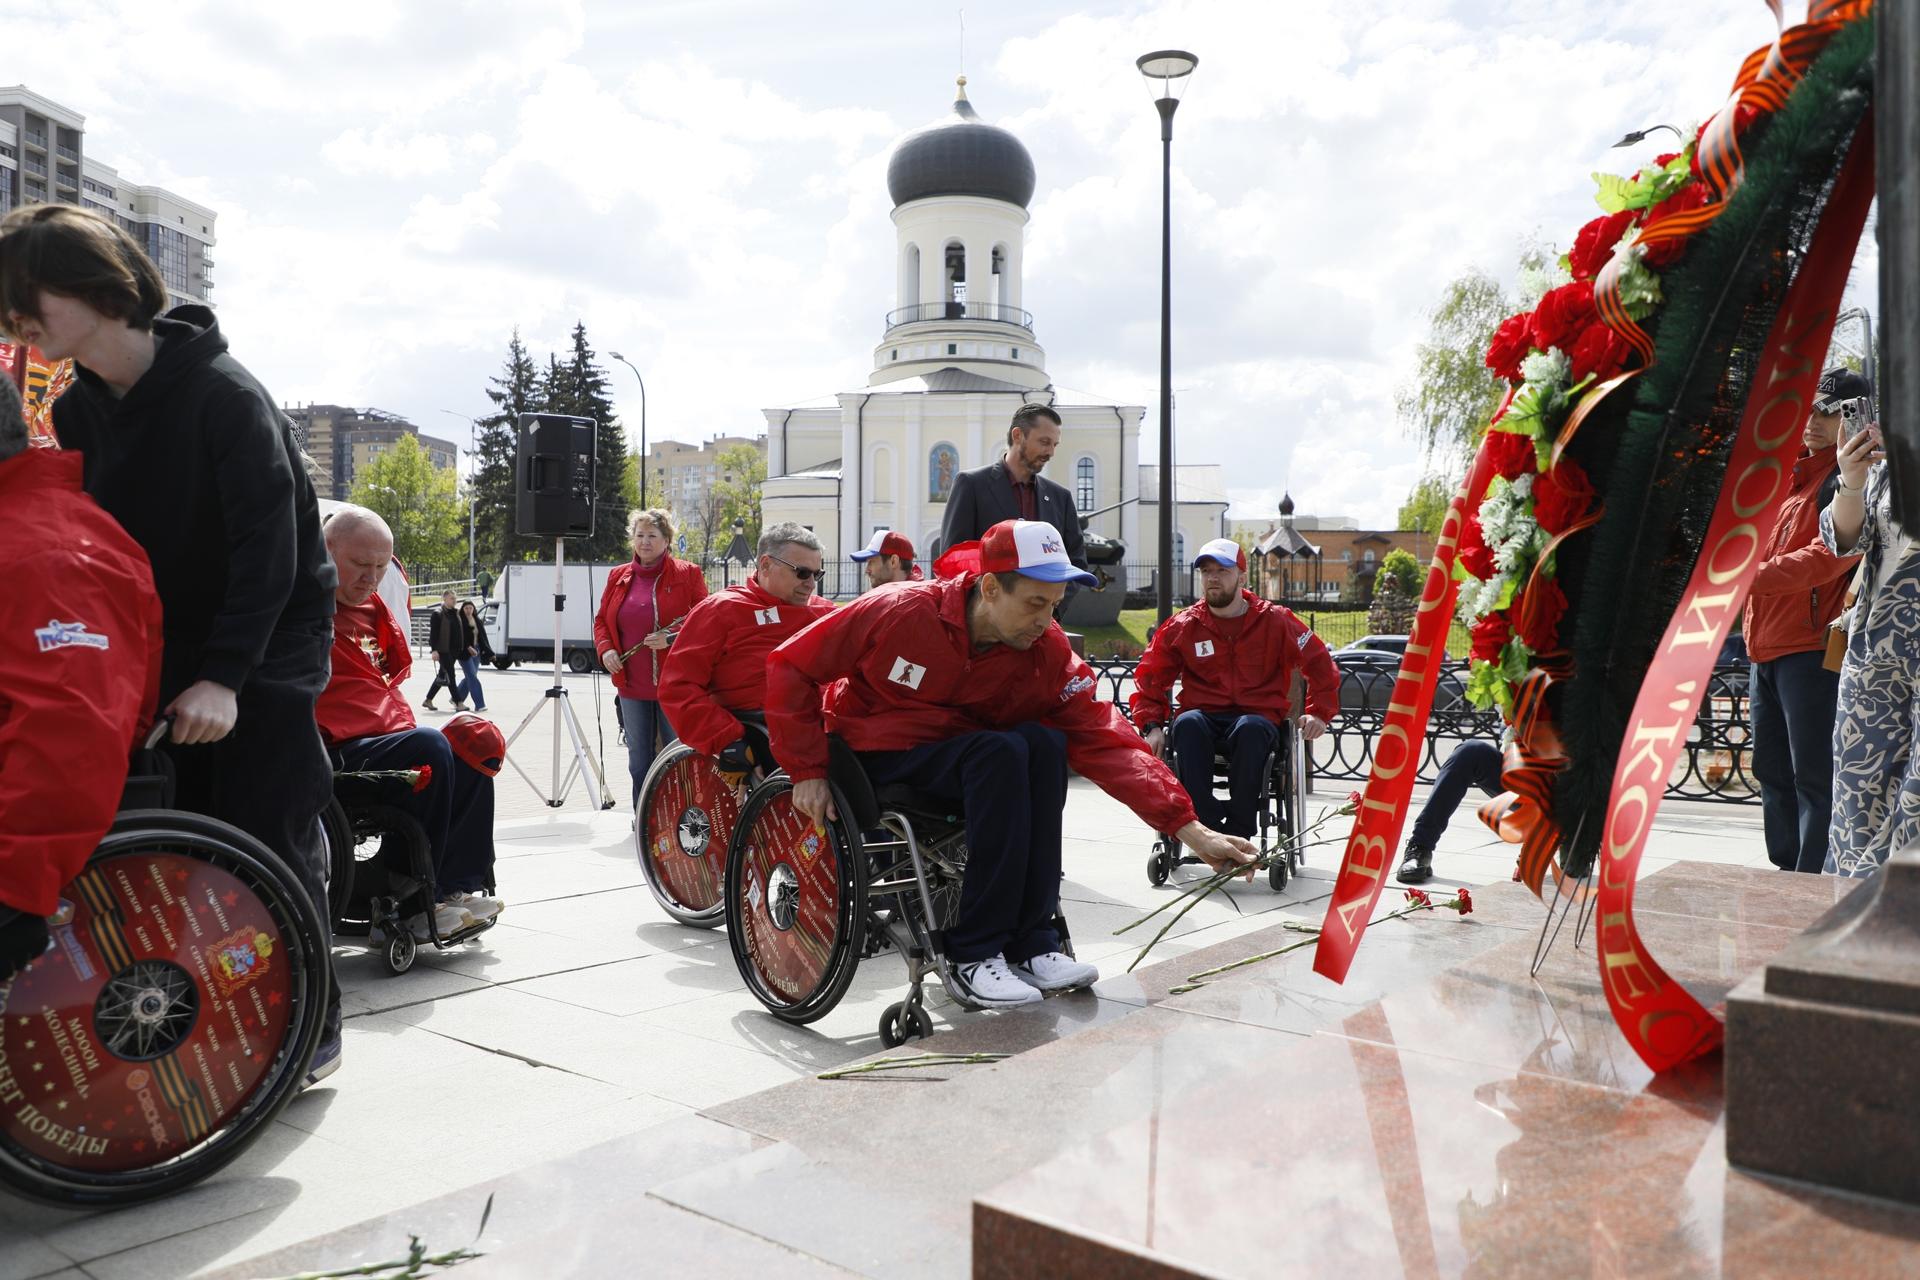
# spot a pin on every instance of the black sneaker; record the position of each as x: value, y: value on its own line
x: 1416, y: 867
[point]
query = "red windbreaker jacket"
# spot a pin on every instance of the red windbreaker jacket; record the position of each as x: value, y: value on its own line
x: 681, y: 586
x: 718, y: 662
x: 910, y: 676
x: 1251, y: 673
x: 359, y: 701
x: 1798, y: 588
x: 79, y: 673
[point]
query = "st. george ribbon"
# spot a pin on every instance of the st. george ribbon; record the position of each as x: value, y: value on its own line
x: 1665, y: 1025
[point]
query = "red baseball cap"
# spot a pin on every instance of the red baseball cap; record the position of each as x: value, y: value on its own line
x: 885, y: 542
x: 1032, y: 549
x: 476, y: 741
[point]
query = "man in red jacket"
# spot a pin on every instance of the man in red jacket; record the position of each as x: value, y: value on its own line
x: 888, y: 557
x: 1235, y: 656
x: 718, y: 665
x: 967, y: 691
x: 364, y: 715
x: 1797, y: 593
x: 80, y: 651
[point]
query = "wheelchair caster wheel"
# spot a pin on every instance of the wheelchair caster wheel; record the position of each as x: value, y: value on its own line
x: 1158, y: 868
x: 1277, y: 875
x: 903, y: 1022
x: 401, y: 949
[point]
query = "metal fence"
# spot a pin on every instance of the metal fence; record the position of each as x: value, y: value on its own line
x: 1714, y: 767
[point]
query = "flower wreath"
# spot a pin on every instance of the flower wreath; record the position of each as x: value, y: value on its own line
x: 1558, y: 359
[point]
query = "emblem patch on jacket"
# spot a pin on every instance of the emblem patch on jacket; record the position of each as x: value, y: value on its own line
x: 1204, y: 649
x: 68, y: 635
x: 907, y: 673
x: 1301, y: 643
x: 765, y: 617
x: 1079, y: 684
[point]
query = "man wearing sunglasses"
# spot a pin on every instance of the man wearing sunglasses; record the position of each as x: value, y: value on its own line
x: 718, y: 665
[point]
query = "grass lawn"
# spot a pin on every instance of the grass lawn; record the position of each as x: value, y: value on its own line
x: 1129, y: 637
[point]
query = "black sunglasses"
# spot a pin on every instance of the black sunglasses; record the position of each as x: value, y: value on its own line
x: 805, y: 575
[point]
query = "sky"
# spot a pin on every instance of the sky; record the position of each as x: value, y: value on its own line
x: 401, y: 184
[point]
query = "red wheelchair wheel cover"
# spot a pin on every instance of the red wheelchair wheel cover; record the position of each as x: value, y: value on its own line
x: 691, y: 813
x: 151, y: 1021
x: 790, y: 909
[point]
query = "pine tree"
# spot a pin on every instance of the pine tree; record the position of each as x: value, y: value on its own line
x: 515, y: 392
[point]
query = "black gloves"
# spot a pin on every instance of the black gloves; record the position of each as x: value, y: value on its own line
x: 23, y: 939
x: 736, y: 757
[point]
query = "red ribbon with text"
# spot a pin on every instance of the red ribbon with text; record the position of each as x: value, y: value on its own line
x: 1401, y: 743
x: 1665, y: 1025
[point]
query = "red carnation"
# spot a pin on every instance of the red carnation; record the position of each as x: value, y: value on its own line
x: 1462, y: 901
x: 1662, y: 161
x: 1598, y: 351
x: 1594, y: 245
x: 422, y: 777
x: 1689, y: 197
x: 1537, y: 614
x: 1474, y: 555
x: 1562, y: 314
x: 1490, y: 636
x: 1511, y: 453
x: 1418, y: 898
x: 1561, y: 496
x: 1511, y: 343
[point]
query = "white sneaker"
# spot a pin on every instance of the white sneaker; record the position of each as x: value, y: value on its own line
x: 478, y: 905
x: 1055, y: 971
x: 448, y: 918
x: 992, y: 986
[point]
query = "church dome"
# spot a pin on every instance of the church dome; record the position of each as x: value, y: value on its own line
x: 961, y: 156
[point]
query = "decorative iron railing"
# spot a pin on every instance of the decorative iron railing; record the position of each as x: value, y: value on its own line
x: 1715, y: 766
x: 989, y: 311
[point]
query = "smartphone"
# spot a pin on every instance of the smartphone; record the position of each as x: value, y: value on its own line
x: 1853, y: 417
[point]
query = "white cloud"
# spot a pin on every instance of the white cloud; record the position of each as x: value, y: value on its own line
x: 400, y: 185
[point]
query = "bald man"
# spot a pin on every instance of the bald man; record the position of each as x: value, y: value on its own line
x: 365, y: 717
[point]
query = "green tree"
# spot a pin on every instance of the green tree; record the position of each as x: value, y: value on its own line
x: 1399, y: 575
x: 1447, y: 402
x: 743, y: 470
x: 419, y: 502
x: 514, y: 392
x: 1426, y: 507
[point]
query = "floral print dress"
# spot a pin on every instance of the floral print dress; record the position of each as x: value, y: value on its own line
x: 1876, y: 773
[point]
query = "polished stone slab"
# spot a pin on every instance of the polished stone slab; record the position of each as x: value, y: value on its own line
x: 1482, y: 1121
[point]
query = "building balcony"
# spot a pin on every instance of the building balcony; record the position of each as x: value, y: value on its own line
x: 34, y: 167
x: 68, y: 153
x: 981, y: 312
x: 35, y: 139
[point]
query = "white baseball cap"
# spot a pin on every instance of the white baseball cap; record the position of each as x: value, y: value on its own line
x: 1031, y: 548
x: 1224, y: 552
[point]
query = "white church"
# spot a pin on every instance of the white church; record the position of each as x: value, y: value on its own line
x: 958, y: 356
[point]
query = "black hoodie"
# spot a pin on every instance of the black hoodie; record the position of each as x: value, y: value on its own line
x: 199, y: 465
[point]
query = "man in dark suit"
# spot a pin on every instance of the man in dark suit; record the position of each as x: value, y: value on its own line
x: 1014, y: 489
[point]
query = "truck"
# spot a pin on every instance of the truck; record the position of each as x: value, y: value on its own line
x: 525, y: 631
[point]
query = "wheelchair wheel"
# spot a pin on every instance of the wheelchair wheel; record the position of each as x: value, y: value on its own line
x: 172, y: 1020
x: 688, y: 813
x: 401, y: 949
x: 795, y: 904
x: 1277, y: 874
x: 1159, y: 865
x: 339, y: 833
x: 903, y: 1021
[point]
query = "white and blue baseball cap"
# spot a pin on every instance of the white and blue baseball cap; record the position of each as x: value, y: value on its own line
x: 1224, y: 552
x: 1032, y: 549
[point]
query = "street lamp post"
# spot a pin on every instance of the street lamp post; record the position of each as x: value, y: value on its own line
x: 1166, y: 72
x: 643, y: 424
x: 472, y: 566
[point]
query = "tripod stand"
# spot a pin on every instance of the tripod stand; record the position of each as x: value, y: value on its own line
x: 583, y: 761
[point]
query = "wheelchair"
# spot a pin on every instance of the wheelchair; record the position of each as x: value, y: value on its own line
x: 687, y: 816
x: 803, y: 907
x: 174, y: 1015
x: 1283, y: 790
x: 380, y: 869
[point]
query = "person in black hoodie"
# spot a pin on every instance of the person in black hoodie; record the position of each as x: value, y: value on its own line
x: 193, y: 457
x: 447, y: 637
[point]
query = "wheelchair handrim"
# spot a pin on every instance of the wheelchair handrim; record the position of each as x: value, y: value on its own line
x: 796, y: 958
x: 687, y: 817
x: 212, y: 909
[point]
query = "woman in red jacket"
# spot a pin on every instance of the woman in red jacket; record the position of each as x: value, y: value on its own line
x: 639, y: 613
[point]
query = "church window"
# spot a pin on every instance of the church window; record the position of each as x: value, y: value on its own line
x: 1179, y: 546
x: 896, y: 353
x: 943, y: 464
x: 1083, y: 484
x: 953, y: 349
x: 1016, y: 353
